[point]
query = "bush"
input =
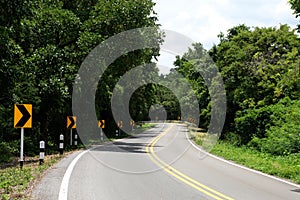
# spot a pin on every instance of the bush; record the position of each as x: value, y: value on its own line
x: 285, y: 139
x: 7, y: 151
x: 253, y: 123
x: 282, y: 138
x: 233, y: 139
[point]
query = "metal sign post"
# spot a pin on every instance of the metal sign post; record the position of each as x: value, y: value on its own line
x: 101, y: 125
x: 22, y: 119
x: 101, y: 134
x: 21, y: 148
x: 71, y: 137
x: 71, y: 123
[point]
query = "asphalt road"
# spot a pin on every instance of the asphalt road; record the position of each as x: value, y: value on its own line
x: 159, y: 164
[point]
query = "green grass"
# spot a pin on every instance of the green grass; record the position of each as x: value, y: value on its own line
x: 286, y: 167
x: 15, y: 183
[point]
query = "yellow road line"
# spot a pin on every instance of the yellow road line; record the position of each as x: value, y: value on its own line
x: 177, y: 174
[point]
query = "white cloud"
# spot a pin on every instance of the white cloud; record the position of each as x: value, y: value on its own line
x: 203, y: 20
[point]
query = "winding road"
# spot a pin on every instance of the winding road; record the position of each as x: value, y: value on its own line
x: 160, y: 163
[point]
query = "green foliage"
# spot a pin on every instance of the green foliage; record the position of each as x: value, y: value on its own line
x: 233, y: 138
x: 282, y: 136
x: 295, y: 5
x: 7, y: 151
x: 12, y: 178
x: 14, y: 182
x: 42, y: 45
x: 193, y: 65
x: 260, y: 67
x: 169, y: 101
x: 254, y: 72
x: 255, y: 122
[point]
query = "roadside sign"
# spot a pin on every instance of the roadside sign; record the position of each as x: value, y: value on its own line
x: 132, y: 123
x: 71, y: 122
x: 191, y: 120
x: 22, y: 119
x: 23, y: 116
x: 101, y: 123
x: 120, y: 124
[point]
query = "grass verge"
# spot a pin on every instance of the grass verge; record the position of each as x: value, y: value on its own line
x: 16, y: 183
x: 286, y: 167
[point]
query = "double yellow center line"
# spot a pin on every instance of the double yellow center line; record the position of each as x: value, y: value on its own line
x: 177, y: 174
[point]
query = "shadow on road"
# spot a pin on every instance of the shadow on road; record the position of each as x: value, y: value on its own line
x: 296, y: 190
x: 123, y: 147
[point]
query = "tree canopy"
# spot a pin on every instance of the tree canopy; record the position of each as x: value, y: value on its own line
x: 42, y: 46
x: 295, y: 5
x: 260, y: 70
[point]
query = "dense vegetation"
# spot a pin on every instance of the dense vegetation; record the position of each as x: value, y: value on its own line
x: 260, y: 70
x: 44, y: 42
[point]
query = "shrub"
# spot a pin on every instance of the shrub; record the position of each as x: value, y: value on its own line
x: 233, y: 138
x: 7, y: 151
x: 283, y: 137
x: 253, y: 123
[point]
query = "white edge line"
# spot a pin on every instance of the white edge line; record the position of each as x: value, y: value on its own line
x: 240, y: 166
x: 63, y: 192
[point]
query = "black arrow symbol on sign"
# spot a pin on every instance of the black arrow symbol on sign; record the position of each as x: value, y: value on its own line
x: 72, y: 122
x: 26, y: 116
x: 101, y: 123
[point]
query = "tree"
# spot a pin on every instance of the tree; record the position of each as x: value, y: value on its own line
x: 199, y: 69
x: 43, y: 44
x: 255, y: 64
x: 295, y: 5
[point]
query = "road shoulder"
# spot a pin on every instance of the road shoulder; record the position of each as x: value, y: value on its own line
x: 48, y: 186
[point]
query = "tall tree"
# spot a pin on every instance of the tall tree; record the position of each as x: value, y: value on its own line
x: 295, y: 5
x: 255, y: 65
x: 43, y: 44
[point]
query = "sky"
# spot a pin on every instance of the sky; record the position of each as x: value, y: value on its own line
x: 203, y: 20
